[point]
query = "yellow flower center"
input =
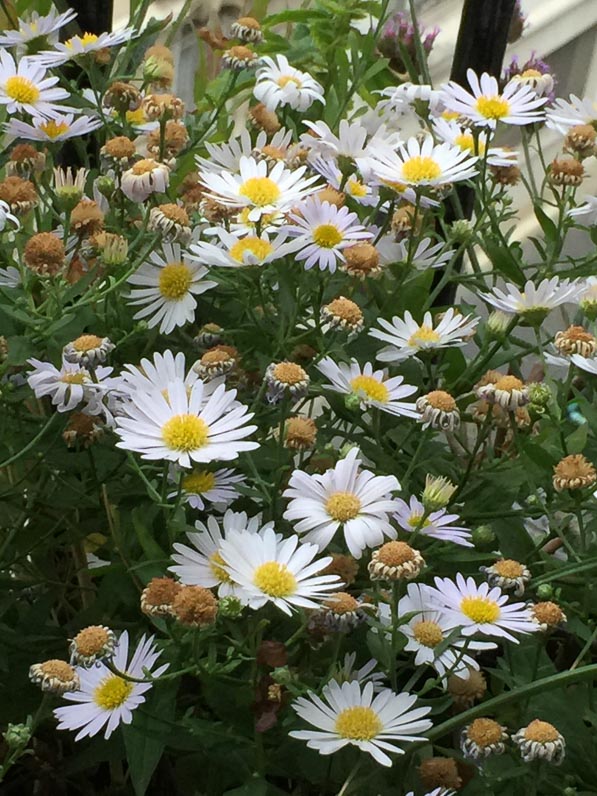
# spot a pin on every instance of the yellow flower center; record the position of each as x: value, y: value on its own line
x: 423, y: 336
x: 466, y: 142
x: 493, y: 107
x: 217, y: 566
x: 428, y: 633
x: 21, y: 89
x: 257, y: 246
x: 358, y: 723
x: 286, y: 79
x: 86, y: 39
x: 275, y: 579
x: 356, y: 188
x: 53, y: 128
x: 136, y: 117
x: 199, y: 481
x: 185, y: 432
x: 175, y: 280
x: 480, y: 609
x: 372, y: 388
x: 327, y: 236
x: 420, y: 169
x: 531, y: 73
x: 74, y: 378
x: 414, y: 520
x: 112, y: 692
x: 87, y: 342
x: 343, y: 506
x: 450, y: 115
x: 260, y: 191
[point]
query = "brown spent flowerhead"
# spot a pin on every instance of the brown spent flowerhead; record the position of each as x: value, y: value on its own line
x: 82, y: 430
x: 86, y: 218
x: 54, y: 676
x: 300, y: 433
x: 263, y: 119
x: 438, y: 410
x: 566, y: 171
x: 195, y: 606
x: 25, y: 159
x: 547, y: 614
x: 580, y: 140
x: 19, y: 194
x: 361, y: 261
x: 573, y: 472
x: 331, y: 195
x: 93, y: 643
x: 466, y: 691
x: 506, y: 175
x: 119, y: 151
x: 172, y: 221
x: 403, y: 220
x: 216, y: 361
x: 342, y: 313
x: 346, y: 567
x: 246, y: 29
x: 159, y: 595
x: 44, y: 253
x: 161, y: 52
x: 395, y: 560
x: 239, y: 57
x: 439, y: 772
x: 163, y: 106
x: 575, y: 340
x: 176, y: 138
x: 482, y: 738
x: 122, y: 97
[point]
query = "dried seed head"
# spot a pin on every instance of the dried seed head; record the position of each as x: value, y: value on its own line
x: 195, y: 606
x: 573, y: 472
x: 300, y: 433
x: 159, y: 595
x: 45, y: 254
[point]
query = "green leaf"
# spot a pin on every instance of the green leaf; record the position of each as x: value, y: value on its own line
x: 547, y: 225
x: 145, y: 739
x: 575, y: 442
x: 19, y: 350
x: 297, y: 15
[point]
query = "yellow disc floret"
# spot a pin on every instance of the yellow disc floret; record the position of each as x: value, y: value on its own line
x: 421, y: 169
x: 343, y: 506
x: 21, y: 89
x: 112, y: 692
x: 428, y: 633
x: 256, y: 246
x: 327, y: 236
x: 185, y: 432
x: 260, y: 191
x: 493, y: 107
x: 372, y: 388
x: 275, y: 579
x: 358, y: 723
x: 480, y: 609
x: 423, y: 336
x: 199, y: 482
x: 174, y: 281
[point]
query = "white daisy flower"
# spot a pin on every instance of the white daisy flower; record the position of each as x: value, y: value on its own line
x: 227, y: 156
x: 461, y: 137
x: 562, y: 114
x: 354, y: 186
x: 407, y: 338
x: 202, y: 564
x: 105, y: 699
x: 425, y: 255
x: 183, y: 428
x: 86, y: 44
x: 539, y: 300
x: 345, y: 496
x: 158, y: 372
x: 348, y: 714
x: 279, y: 83
x: 585, y: 214
x: 435, y: 792
x: 24, y: 87
x: 481, y: 609
x: 36, y: 27
x: 167, y: 286
x: 346, y: 672
x: 486, y: 105
x: 373, y: 387
x: 428, y: 628
x: 201, y: 486
x: 322, y: 230
x: 59, y: 128
x: 353, y: 142
x: 7, y: 216
x: 400, y: 100
x: 281, y: 571
x: 67, y: 387
x: 235, y: 251
x: 422, y: 163
x: 10, y: 277
x: 437, y: 524
x: 260, y: 189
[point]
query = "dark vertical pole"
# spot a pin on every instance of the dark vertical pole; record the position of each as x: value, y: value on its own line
x: 94, y: 16
x: 481, y: 44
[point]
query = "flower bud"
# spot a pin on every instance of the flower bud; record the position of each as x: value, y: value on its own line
x: 483, y: 536
x: 17, y: 735
x: 545, y: 591
x: 230, y: 607
x: 437, y: 493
